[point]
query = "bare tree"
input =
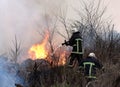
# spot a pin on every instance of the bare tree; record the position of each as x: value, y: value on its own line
x: 15, y: 51
x: 50, y: 28
x: 62, y: 18
x: 91, y: 21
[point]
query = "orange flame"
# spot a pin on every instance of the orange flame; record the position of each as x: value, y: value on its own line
x: 38, y: 51
x: 62, y: 59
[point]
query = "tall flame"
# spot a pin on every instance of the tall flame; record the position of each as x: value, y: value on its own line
x: 62, y: 59
x: 39, y: 51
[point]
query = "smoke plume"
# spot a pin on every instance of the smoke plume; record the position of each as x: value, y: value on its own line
x: 24, y: 18
x: 8, y: 72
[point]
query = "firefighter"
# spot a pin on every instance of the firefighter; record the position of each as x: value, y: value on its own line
x: 90, y: 64
x: 76, y: 42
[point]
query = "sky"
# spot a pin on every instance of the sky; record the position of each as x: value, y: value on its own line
x: 24, y: 17
x: 112, y: 11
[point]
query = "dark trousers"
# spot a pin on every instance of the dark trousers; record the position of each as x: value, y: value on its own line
x: 74, y: 56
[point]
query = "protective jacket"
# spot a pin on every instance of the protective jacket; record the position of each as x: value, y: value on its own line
x: 90, y: 65
x: 76, y: 42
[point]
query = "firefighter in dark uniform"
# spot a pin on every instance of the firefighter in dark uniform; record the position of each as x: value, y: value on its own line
x: 90, y: 64
x: 76, y: 42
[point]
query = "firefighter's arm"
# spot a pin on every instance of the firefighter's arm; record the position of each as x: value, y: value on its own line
x: 81, y: 69
x: 101, y: 67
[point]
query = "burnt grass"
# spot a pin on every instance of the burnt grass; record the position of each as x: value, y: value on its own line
x: 40, y: 73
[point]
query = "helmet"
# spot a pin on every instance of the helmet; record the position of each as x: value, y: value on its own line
x: 92, y: 55
x: 74, y: 30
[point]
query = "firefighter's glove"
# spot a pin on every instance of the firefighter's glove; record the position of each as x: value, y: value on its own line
x: 63, y: 43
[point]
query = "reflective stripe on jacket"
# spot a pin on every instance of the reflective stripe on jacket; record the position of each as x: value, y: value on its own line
x: 77, y: 48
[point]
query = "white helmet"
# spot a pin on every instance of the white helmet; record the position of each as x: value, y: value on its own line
x: 74, y: 30
x: 92, y: 55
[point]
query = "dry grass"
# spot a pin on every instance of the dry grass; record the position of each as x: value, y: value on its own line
x: 62, y: 76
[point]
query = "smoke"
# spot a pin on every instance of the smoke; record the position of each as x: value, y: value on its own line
x: 8, y: 76
x: 6, y: 80
x: 24, y: 18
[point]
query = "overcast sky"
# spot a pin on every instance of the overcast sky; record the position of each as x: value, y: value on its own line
x: 113, y: 9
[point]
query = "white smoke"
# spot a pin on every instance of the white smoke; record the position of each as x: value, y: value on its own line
x: 6, y: 80
x: 24, y: 18
x: 7, y: 73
